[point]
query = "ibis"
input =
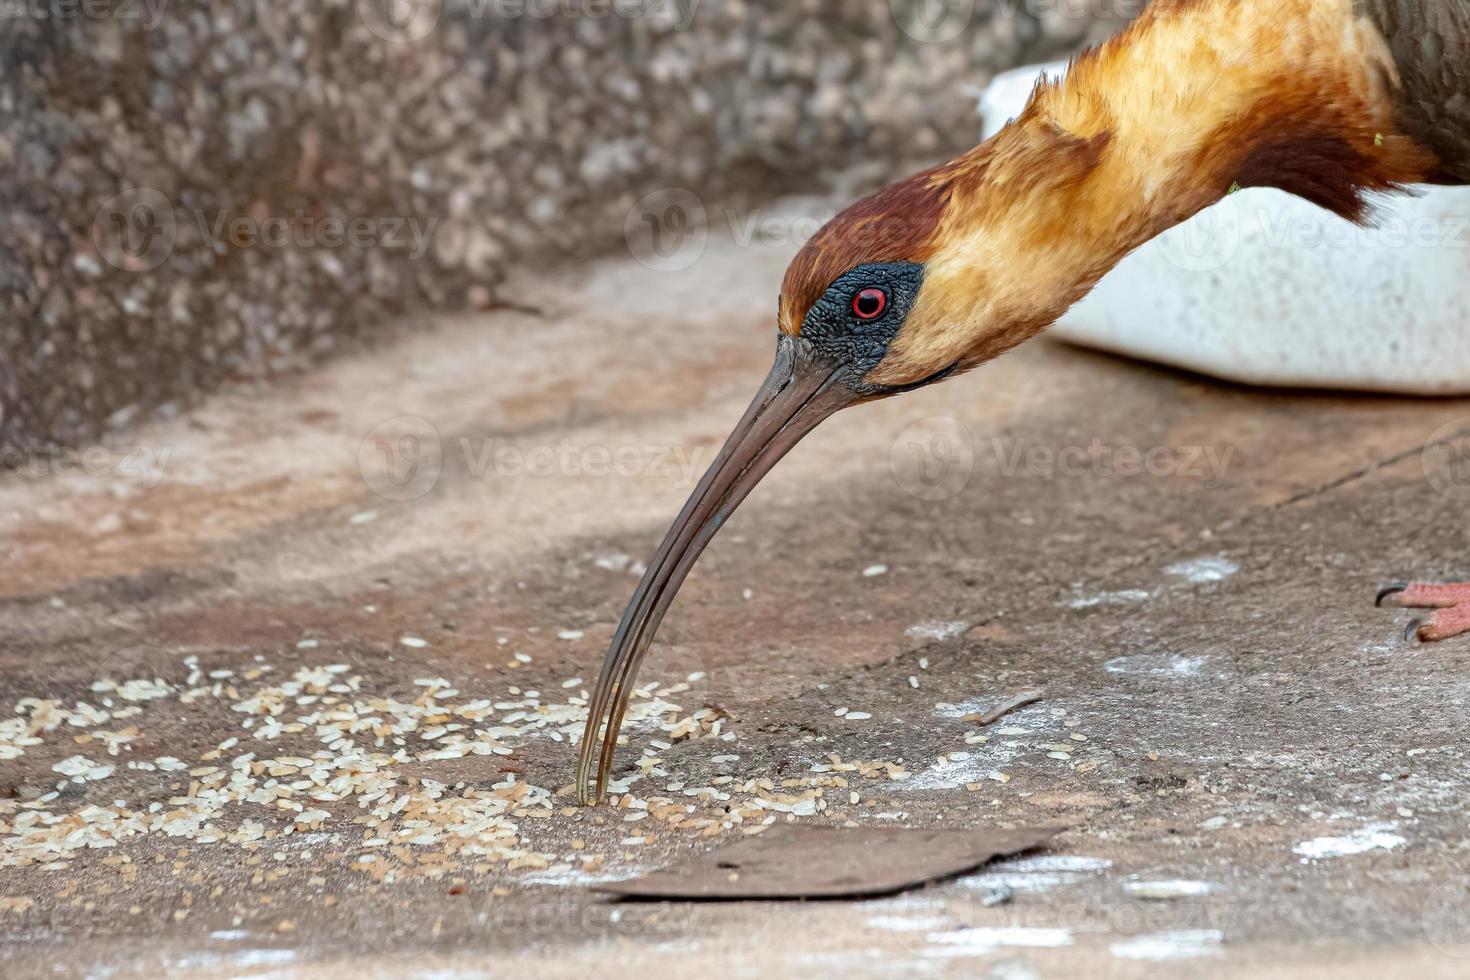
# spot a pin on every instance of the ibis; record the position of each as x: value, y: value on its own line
x: 1331, y: 100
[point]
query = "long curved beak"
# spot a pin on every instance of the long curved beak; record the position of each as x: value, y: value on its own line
x: 801, y: 391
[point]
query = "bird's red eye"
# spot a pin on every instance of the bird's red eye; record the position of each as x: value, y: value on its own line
x: 869, y: 302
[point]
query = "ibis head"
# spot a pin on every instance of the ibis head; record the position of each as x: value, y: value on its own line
x: 867, y: 310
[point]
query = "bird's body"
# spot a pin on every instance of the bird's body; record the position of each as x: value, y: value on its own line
x: 1194, y: 98
x: 1331, y: 100
x: 1427, y: 43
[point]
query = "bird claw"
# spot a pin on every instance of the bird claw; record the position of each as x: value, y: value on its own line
x: 1389, y: 590
x: 1450, y: 602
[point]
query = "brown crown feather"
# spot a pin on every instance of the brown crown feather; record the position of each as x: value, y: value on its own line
x: 896, y: 224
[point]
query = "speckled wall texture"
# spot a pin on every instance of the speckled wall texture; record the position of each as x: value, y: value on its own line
x: 201, y: 193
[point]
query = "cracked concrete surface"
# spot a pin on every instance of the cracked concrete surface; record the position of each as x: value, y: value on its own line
x: 1268, y: 781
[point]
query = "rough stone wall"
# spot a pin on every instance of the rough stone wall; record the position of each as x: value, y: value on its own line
x: 196, y: 193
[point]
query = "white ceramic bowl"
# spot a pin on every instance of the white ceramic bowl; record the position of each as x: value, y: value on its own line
x: 1268, y: 289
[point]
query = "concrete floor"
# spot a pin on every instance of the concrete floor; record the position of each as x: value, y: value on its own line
x: 1248, y: 722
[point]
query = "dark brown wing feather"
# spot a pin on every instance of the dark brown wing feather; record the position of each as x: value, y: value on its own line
x: 1430, y: 42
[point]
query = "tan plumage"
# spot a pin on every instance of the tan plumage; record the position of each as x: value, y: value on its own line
x: 1158, y: 122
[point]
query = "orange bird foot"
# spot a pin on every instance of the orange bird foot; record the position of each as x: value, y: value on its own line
x: 1451, y: 602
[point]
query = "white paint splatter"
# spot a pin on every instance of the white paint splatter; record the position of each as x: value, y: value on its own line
x: 263, y: 957
x: 1056, y: 862
x: 612, y: 562
x: 197, y: 965
x: 1033, y: 714
x: 1372, y: 837
x: 981, y: 940
x: 958, y: 768
x: 1156, y: 665
x: 1038, y: 873
x: 1178, y: 945
x: 566, y: 875
x: 1165, y: 890
x: 907, y: 923
x: 1119, y: 598
x: 918, y: 902
x: 936, y: 630
x: 1201, y: 570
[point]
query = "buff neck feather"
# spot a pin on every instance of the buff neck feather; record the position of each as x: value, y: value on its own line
x: 1192, y: 100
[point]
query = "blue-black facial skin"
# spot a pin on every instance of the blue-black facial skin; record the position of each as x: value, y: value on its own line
x: 840, y: 335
